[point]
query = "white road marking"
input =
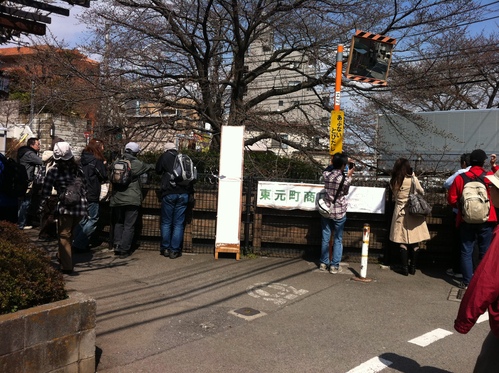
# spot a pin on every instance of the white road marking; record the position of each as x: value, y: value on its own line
x: 483, y: 317
x: 430, y: 337
x: 274, y: 292
x: 376, y: 364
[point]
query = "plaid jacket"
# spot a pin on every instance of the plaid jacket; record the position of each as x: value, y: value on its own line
x: 59, y: 178
x: 332, y: 181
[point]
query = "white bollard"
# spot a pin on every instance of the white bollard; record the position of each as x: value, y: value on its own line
x: 365, y: 250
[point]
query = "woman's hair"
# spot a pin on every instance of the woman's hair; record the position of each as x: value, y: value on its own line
x: 69, y: 164
x: 95, y: 147
x: 339, y: 161
x: 401, y: 169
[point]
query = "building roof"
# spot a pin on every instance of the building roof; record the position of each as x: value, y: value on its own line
x: 29, y: 16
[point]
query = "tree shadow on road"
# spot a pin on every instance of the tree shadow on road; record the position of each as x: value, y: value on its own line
x: 406, y: 365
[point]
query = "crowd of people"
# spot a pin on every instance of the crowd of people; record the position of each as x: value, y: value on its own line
x: 73, y: 222
x: 473, y: 194
x: 51, y: 175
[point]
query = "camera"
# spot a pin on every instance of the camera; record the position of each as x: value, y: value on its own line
x: 351, y: 165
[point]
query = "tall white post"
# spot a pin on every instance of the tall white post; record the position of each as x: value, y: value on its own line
x: 365, y: 250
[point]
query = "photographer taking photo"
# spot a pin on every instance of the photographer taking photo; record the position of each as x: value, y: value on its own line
x: 337, y: 179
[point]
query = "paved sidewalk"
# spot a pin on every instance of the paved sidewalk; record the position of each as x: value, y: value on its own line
x: 198, y: 314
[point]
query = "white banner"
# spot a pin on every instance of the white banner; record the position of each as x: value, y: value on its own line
x: 298, y: 196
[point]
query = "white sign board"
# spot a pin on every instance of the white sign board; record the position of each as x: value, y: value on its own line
x: 230, y: 191
x: 297, y: 196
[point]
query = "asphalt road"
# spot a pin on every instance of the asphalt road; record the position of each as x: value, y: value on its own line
x: 198, y: 314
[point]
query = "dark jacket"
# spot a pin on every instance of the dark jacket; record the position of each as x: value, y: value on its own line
x: 164, y: 167
x: 95, y: 174
x: 28, y: 157
x: 132, y: 194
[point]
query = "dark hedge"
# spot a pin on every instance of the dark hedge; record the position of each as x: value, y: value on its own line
x: 27, y: 277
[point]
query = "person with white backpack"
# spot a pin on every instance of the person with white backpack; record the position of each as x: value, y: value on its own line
x: 176, y: 191
x: 470, y: 194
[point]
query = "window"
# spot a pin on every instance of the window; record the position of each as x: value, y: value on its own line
x: 281, y: 103
x: 279, y: 144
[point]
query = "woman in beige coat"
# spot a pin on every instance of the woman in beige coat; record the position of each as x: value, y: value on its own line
x: 406, y: 229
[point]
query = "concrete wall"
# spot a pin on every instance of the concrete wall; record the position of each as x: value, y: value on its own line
x: 437, y: 138
x: 56, y: 337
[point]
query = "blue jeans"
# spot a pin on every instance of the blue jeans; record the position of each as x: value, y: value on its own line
x: 327, y: 226
x: 22, y: 216
x: 88, y: 225
x: 173, y: 208
x: 482, y: 233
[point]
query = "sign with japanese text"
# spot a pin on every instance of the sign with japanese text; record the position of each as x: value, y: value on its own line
x: 299, y: 196
x: 337, y: 128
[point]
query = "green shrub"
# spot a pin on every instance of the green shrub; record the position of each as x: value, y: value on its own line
x: 27, y: 277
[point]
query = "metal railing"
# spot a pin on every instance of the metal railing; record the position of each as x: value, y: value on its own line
x: 287, y: 233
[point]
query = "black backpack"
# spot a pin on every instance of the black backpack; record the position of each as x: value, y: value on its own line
x: 74, y: 191
x: 14, y: 179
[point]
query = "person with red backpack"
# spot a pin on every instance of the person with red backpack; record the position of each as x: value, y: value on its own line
x: 469, y: 193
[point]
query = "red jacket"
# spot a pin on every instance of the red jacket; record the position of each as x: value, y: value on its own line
x: 482, y: 292
x: 456, y: 190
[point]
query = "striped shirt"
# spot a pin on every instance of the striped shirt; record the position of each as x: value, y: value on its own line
x: 58, y: 178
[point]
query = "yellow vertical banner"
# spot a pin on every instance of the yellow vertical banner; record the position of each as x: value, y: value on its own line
x: 336, y: 131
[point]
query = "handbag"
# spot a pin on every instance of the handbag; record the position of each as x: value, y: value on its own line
x: 417, y: 204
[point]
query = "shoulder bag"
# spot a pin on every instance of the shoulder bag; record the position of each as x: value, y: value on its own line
x: 416, y: 203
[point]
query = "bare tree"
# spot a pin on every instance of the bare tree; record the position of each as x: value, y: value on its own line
x: 196, y: 54
x: 52, y: 80
x: 457, y: 72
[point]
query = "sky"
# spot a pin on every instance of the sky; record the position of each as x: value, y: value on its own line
x: 67, y: 29
x: 72, y: 32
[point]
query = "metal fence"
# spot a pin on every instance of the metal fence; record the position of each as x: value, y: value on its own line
x: 289, y: 233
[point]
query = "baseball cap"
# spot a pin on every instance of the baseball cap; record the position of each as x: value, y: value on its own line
x: 478, y: 156
x: 133, y: 147
x: 169, y: 146
x: 62, y: 150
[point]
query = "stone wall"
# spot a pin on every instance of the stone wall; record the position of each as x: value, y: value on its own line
x: 55, y: 337
x: 44, y: 126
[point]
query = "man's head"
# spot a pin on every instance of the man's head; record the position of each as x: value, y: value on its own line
x: 132, y: 148
x: 170, y: 146
x: 477, y: 157
x: 339, y: 161
x: 465, y: 160
x: 34, y: 143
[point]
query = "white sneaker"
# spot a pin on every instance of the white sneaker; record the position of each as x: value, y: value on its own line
x: 27, y: 227
x: 323, y: 267
x: 335, y: 270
